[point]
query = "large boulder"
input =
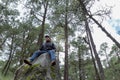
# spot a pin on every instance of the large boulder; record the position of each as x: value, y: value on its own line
x: 40, y: 70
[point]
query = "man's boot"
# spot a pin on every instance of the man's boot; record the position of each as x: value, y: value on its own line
x: 53, y: 62
x: 28, y: 62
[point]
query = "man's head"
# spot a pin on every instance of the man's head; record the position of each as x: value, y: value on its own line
x: 47, y: 38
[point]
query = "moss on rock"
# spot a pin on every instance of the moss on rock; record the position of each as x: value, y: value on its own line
x: 40, y: 70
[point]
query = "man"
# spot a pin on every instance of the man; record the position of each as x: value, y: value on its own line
x: 47, y: 47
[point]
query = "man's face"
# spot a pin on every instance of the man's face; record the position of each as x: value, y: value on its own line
x: 47, y: 39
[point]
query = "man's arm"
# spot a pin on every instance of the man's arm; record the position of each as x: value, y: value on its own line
x: 42, y: 47
x: 53, y: 46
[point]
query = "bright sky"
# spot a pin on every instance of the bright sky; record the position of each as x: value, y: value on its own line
x: 110, y: 25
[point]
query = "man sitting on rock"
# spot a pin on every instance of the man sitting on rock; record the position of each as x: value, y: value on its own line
x: 47, y: 47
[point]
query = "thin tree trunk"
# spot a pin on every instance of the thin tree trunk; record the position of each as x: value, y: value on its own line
x: 7, y: 65
x: 80, y: 69
x: 66, y: 44
x: 97, y: 77
x: 42, y: 31
x: 101, y: 71
x: 6, y: 71
x: 10, y: 54
x: 58, y: 68
x: 2, y: 43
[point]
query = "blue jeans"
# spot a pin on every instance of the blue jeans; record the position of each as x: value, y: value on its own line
x: 39, y: 52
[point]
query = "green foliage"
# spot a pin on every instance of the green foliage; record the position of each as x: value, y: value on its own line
x: 6, y: 77
x: 89, y: 68
x: 53, y: 72
x: 10, y: 73
x: 1, y: 66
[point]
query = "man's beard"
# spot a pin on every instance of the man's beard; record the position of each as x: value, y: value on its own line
x: 48, y: 40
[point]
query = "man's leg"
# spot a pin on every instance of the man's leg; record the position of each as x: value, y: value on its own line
x: 36, y: 54
x: 52, y: 57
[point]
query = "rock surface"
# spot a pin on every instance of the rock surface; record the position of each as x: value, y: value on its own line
x: 40, y: 69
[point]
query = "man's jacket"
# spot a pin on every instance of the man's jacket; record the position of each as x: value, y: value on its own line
x: 48, y: 46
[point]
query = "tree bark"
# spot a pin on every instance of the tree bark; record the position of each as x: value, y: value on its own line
x: 97, y: 77
x: 101, y: 71
x: 66, y: 44
x: 42, y: 31
x: 80, y: 64
x: 7, y: 65
x: 80, y: 69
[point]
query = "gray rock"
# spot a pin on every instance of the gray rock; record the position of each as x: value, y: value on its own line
x: 40, y: 69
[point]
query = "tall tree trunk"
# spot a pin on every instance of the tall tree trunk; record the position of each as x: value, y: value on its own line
x: 2, y: 42
x: 100, y: 68
x: 101, y: 71
x: 80, y: 69
x: 66, y: 44
x: 42, y: 31
x: 97, y: 77
x: 105, y: 31
x: 6, y: 70
x: 84, y: 11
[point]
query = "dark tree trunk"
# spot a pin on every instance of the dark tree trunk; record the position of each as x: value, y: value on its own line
x: 6, y: 70
x: 2, y: 42
x: 97, y: 77
x: 42, y: 31
x: 101, y: 71
x: 66, y: 44
x: 80, y: 67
